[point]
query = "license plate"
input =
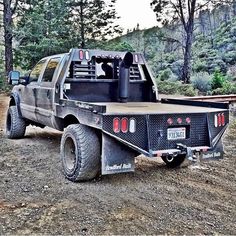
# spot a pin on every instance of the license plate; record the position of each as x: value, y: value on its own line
x: 176, y: 133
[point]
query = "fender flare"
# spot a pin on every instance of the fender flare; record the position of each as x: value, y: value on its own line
x: 15, y: 100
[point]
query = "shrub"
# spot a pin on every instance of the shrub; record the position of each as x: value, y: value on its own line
x: 202, y: 82
x: 227, y: 88
x: 176, y: 67
x: 187, y: 90
x: 165, y: 74
x: 231, y: 73
x: 168, y: 87
x: 200, y: 65
x: 218, y: 80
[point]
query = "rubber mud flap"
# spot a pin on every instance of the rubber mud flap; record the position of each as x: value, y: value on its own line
x: 216, y: 154
x: 116, y: 157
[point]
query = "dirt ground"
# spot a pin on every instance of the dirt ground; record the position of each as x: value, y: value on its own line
x: 35, y: 198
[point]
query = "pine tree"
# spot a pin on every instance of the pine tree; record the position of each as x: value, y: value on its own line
x: 9, y: 8
x: 43, y: 29
x: 94, y: 20
x: 46, y: 27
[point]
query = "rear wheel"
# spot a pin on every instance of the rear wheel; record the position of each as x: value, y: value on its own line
x: 80, y: 153
x: 15, y: 124
x: 174, y: 161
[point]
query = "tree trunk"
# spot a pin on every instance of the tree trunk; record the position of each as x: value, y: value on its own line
x: 188, y: 26
x: 7, y: 21
x: 186, y: 71
x: 82, y: 24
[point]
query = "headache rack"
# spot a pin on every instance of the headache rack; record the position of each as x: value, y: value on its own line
x: 87, y: 70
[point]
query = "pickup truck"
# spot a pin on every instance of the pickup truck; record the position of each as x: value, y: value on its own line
x: 107, y: 104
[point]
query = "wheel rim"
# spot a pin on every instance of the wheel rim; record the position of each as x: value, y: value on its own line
x: 170, y: 158
x: 70, y: 154
x: 8, y: 122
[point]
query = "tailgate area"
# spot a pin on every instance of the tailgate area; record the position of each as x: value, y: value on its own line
x: 191, y: 126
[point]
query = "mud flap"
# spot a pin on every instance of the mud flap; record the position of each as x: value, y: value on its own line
x: 216, y: 154
x: 116, y: 157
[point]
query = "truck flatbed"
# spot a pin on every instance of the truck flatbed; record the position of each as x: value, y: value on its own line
x: 152, y: 108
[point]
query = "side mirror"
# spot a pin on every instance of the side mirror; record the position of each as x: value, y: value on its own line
x: 14, y: 77
x: 24, y: 80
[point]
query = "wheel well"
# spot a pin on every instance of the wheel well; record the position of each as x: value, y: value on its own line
x: 12, y: 102
x: 69, y: 120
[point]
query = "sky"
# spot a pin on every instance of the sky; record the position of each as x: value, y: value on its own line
x: 135, y: 11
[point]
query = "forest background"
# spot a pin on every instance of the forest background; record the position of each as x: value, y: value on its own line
x: 31, y: 30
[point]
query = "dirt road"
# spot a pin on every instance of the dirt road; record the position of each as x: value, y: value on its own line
x: 35, y: 198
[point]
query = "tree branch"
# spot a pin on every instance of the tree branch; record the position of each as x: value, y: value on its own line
x: 203, y: 5
x: 176, y: 8
x: 182, y: 14
x: 15, y: 6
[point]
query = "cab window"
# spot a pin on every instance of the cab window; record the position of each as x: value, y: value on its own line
x: 35, y: 73
x: 50, y: 69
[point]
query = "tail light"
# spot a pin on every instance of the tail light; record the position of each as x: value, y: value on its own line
x: 188, y: 120
x: 124, y: 125
x: 223, y: 119
x: 87, y: 57
x: 136, y: 58
x: 179, y: 121
x: 116, y: 125
x: 219, y: 120
x: 170, y: 121
x: 132, y: 125
x: 81, y: 55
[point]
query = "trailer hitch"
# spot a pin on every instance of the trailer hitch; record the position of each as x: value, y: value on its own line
x: 190, y: 155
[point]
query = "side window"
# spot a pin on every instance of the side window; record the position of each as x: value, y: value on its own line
x: 50, y: 69
x: 35, y: 73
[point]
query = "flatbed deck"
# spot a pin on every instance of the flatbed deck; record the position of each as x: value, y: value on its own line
x: 152, y: 108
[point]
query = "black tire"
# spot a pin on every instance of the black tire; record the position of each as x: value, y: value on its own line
x: 80, y: 153
x: 174, y: 161
x: 15, y: 124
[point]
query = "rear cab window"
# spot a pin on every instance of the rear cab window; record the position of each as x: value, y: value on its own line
x: 50, y: 69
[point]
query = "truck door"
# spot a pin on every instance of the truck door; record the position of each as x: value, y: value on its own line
x: 45, y: 92
x: 29, y: 92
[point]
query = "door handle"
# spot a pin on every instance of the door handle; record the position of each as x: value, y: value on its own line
x: 48, y: 94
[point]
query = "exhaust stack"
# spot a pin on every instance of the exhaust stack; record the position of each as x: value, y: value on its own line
x: 124, y: 74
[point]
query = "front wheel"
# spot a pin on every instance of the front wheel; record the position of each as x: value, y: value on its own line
x: 80, y: 153
x: 15, y: 124
x: 174, y: 161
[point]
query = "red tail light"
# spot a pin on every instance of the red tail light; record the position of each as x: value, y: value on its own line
x: 223, y: 119
x: 81, y: 55
x: 179, y: 121
x: 188, y: 120
x: 170, y: 121
x: 219, y: 120
x: 124, y: 125
x: 116, y: 125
